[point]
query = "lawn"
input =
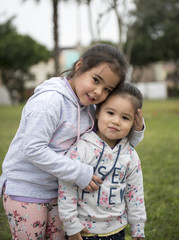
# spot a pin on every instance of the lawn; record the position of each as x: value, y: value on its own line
x: 159, y: 153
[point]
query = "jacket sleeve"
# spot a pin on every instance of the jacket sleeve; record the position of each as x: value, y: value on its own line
x: 39, y: 129
x: 135, y: 196
x: 137, y: 136
x: 68, y: 193
x: 67, y: 207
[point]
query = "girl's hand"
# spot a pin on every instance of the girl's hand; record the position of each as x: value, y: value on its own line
x: 93, y: 185
x: 138, y: 121
x: 78, y: 236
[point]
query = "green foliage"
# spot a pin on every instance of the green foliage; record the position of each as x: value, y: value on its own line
x: 156, y: 31
x: 19, y: 52
x: 9, y: 120
x: 159, y: 157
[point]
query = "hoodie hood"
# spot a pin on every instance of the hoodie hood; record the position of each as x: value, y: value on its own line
x: 99, y: 143
x: 60, y: 85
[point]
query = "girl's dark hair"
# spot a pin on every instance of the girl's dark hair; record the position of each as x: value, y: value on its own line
x: 98, y: 54
x: 129, y: 91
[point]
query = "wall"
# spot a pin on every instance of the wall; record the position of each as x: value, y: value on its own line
x: 153, y: 90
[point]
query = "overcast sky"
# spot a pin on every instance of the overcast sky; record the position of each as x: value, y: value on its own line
x: 36, y: 20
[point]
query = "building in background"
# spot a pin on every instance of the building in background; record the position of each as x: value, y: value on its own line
x: 44, y: 71
x: 153, y: 80
x: 4, y: 95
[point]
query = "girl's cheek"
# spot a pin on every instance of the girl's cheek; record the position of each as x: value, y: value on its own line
x: 104, y: 96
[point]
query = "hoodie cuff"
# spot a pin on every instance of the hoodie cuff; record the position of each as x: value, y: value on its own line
x: 137, y: 230
x: 72, y: 228
x: 85, y: 176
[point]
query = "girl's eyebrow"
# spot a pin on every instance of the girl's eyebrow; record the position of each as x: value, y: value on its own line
x: 99, y: 77
x: 112, y: 109
x: 103, y: 80
x: 128, y: 115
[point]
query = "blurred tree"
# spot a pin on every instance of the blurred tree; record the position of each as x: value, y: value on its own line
x: 56, y: 50
x: 121, y: 9
x: 88, y: 2
x: 155, y: 31
x: 17, y: 54
x: 56, y: 53
x: 116, y: 6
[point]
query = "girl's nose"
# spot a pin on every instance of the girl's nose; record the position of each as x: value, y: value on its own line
x: 98, y: 91
x: 116, y: 120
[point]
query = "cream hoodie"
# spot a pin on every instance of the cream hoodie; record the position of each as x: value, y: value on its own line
x: 104, y: 211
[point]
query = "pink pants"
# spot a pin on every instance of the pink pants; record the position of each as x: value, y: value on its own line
x: 33, y: 221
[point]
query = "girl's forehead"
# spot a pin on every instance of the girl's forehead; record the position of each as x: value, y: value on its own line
x: 117, y: 101
x: 119, y: 104
x: 100, y: 68
x: 103, y: 67
x: 114, y: 98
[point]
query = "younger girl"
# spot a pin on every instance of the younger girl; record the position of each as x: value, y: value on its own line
x: 60, y: 110
x: 104, y: 214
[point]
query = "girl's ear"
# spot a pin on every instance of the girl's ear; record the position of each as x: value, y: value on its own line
x: 78, y: 65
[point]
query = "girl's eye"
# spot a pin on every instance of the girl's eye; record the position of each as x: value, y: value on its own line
x: 125, y: 118
x: 107, y: 90
x: 96, y: 80
x: 110, y: 113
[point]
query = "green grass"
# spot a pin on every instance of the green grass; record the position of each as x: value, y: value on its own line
x: 9, y: 121
x: 159, y: 153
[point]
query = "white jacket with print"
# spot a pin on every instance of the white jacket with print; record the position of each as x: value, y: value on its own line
x: 119, y: 200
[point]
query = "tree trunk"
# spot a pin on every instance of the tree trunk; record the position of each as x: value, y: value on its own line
x: 56, y: 52
x: 90, y: 20
x: 119, y: 22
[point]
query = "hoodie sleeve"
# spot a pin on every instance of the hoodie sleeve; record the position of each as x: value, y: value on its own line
x: 137, y: 136
x: 40, y: 126
x: 68, y: 193
x: 135, y: 196
x: 67, y: 206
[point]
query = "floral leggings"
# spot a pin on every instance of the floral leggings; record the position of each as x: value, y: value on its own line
x: 33, y: 221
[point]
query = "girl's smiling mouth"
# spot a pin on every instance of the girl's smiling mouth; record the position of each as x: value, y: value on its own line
x: 113, y: 129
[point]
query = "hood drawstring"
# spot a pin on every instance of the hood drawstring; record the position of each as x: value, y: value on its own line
x: 78, y: 134
x: 78, y: 106
x: 92, y: 120
x: 101, y: 153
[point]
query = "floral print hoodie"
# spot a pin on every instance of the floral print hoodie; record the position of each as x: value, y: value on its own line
x: 118, y: 201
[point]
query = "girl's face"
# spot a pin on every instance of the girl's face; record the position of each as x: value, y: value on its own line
x: 115, y: 119
x: 93, y: 86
